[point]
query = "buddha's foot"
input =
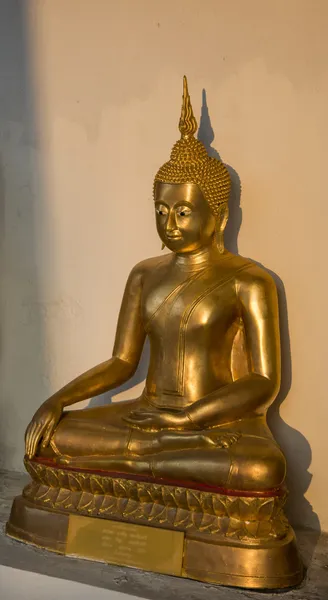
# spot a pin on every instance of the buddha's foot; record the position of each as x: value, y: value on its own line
x: 222, y: 440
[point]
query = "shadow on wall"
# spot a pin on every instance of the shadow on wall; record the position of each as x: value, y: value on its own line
x: 22, y: 362
x: 295, y: 446
x: 206, y: 135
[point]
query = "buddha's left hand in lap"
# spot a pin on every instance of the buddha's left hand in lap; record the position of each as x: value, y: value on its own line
x: 156, y: 420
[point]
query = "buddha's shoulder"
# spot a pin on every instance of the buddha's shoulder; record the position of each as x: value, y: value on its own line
x: 142, y: 268
x: 246, y: 271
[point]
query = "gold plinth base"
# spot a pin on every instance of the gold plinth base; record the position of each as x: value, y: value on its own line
x: 229, y: 539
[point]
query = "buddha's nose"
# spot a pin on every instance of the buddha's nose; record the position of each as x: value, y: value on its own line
x: 171, y: 224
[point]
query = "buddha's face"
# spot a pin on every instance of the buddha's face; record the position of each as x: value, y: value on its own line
x: 184, y: 219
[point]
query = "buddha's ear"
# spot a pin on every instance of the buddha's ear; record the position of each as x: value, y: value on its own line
x: 223, y: 216
x: 221, y: 222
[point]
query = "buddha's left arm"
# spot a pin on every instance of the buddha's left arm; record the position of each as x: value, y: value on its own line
x: 252, y: 394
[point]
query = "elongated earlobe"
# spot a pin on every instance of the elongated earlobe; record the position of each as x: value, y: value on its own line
x: 221, y: 222
x: 219, y: 239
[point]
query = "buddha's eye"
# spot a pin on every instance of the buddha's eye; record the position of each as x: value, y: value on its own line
x: 184, y: 211
x: 161, y: 210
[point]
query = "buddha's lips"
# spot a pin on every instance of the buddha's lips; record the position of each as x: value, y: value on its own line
x: 174, y: 237
x: 281, y: 491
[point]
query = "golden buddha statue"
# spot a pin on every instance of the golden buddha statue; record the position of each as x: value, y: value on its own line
x: 200, y: 424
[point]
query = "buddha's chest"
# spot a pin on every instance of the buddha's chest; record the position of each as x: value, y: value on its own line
x: 196, y: 301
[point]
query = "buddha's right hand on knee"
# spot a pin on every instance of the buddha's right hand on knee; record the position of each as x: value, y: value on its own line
x: 42, y: 426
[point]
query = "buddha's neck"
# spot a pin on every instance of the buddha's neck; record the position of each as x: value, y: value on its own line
x: 198, y: 259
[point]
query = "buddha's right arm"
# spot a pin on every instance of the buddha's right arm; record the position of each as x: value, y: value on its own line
x: 129, y: 341
x: 98, y: 380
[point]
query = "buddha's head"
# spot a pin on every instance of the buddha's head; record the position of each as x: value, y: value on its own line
x: 191, y: 191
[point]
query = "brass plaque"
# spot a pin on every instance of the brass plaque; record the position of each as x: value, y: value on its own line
x: 126, y: 544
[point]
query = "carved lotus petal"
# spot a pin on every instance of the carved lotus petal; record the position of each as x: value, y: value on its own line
x: 196, y: 519
x: 68, y: 504
x: 156, y: 493
x: 140, y: 512
x: 182, y: 517
x: 51, y: 496
x: 155, y: 512
x: 86, y: 502
x: 62, y: 497
x: 119, y: 488
x: 251, y: 528
x: 233, y: 507
x: 73, y: 481
x: 207, y: 522
x: 41, y: 472
x: 219, y: 505
x: 278, y: 506
x: 169, y: 497
x: 131, y: 508
x: 52, y: 477
x: 280, y: 527
x: 32, y: 470
x: 248, y: 509
x: 181, y: 497
x: 144, y: 494
x: 207, y: 504
x: 164, y: 516
x: 109, y: 505
x: 96, y: 485
x: 194, y: 500
x: 121, y: 505
x: 62, y: 476
x: 264, y: 529
x: 133, y: 492
x: 41, y: 492
x: 265, y: 509
x: 107, y: 485
x: 236, y: 528
x: 219, y: 526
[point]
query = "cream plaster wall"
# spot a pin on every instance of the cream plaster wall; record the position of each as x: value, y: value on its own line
x: 89, y: 109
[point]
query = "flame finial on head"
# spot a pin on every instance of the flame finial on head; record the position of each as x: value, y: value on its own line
x: 190, y: 163
x: 187, y: 123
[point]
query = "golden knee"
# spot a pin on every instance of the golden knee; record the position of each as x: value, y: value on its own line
x: 257, y: 464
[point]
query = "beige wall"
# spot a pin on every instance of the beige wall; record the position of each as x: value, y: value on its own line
x: 104, y: 86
